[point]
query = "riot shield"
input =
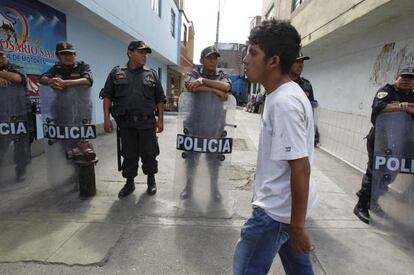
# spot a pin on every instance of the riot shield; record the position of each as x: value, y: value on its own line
x: 15, y: 134
x: 392, y: 194
x: 315, y: 110
x: 204, y: 145
x: 68, y: 128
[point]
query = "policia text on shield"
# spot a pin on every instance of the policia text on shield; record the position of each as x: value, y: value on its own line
x: 68, y: 122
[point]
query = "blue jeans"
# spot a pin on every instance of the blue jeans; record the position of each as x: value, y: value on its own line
x: 260, y: 239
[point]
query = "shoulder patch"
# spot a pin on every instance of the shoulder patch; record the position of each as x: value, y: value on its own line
x: 149, y: 79
x: 120, y: 75
x: 382, y: 94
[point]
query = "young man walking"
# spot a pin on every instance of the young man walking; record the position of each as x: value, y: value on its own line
x: 284, y: 192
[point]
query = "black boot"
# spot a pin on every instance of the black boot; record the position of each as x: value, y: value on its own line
x: 152, y: 185
x: 361, y: 210
x: 187, y: 191
x: 128, y: 188
x: 216, y: 195
x: 20, y: 173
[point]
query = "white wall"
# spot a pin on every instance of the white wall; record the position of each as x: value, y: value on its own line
x: 346, y: 75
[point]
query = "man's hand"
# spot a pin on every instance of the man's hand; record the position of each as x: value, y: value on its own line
x: 58, y: 83
x: 300, y: 240
x: 4, y: 82
x: 159, y: 126
x: 410, y: 108
x: 223, y: 96
x: 194, y: 84
x: 108, y: 127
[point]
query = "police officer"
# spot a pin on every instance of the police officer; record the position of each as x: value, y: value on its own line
x: 67, y: 72
x: 132, y: 94
x: 201, y: 80
x: 295, y: 75
x: 395, y: 97
x: 12, y: 74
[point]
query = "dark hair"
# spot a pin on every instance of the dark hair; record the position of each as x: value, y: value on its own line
x: 277, y: 37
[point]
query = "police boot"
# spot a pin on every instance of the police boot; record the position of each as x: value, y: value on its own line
x: 361, y: 210
x: 152, y: 185
x: 215, y: 192
x: 187, y: 191
x: 217, y: 195
x: 214, y: 185
x: 20, y: 173
x: 128, y: 188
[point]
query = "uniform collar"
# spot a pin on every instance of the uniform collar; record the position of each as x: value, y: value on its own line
x: 214, y: 75
x: 143, y: 68
x: 59, y: 65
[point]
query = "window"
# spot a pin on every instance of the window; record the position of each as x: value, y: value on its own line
x: 159, y: 73
x: 296, y: 4
x: 184, y: 38
x: 156, y: 6
x: 172, y: 23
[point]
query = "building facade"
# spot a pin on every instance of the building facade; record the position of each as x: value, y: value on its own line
x: 176, y: 73
x: 356, y: 46
x: 100, y: 32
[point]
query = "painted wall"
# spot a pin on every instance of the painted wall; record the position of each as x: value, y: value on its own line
x: 346, y: 76
x: 103, y: 58
x: 138, y: 20
x: 103, y: 49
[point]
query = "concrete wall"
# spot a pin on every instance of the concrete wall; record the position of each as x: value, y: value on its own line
x: 346, y: 71
x: 317, y: 18
x: 281, y: 8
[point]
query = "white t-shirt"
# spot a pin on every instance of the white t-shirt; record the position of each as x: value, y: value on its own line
x: 287, y: 133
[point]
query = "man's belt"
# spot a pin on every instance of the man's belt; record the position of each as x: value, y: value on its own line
x: 139, y: 117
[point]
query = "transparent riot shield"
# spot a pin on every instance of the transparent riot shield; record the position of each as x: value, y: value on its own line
x: 68, y: 129
x: 15, y: 134
x: 204, y: 145
x: 392, y: 194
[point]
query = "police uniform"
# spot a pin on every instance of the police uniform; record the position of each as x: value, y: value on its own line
x: 206, y: 119
x: 22, y: 151
x: 385, y: 95
x: 306, y: 87
x: 79, y: 70
x: 61, y: 106
x: 135, y: 94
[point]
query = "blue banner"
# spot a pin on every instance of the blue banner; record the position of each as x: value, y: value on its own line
x: 30, y: 31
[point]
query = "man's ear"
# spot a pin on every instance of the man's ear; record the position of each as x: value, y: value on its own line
x: 274, y: 61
